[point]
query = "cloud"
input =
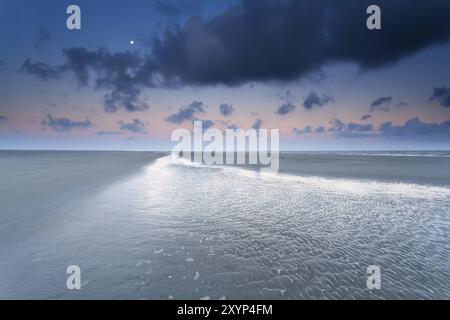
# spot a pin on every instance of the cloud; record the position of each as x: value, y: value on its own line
x: 43, y: 38
x: 136, y: 126
x: 441, y: 95
x: 228, y: 125
x: 303, y: 131
x: 114, y: 71
x: 300, y: 37
x: 286, y: 96
x: 117, y: 72
x: 339, y: 128
x: 314, y: 100
x: 401, y: 104
x: 384, y: 104
x: 336, y: 125
x: 226, y: 109
x: 127, y: 98
x: 350, y: 130
x: 415, y: 127
x: 366, y: 117
x: 206, y: 124
x: 285, y: 108
x: 381, y: 104
x: 166, y: 9
x: 359, y: 127
x: 3, y: 119
x: 257, y: 124
x: 238, y: 46
x: 412, y: 128
x: 187, y: 112
x: 174, y: 8
x: 40, y: 70
x: 65, y: 124
x: 320, y: 129
x: 108, y: 133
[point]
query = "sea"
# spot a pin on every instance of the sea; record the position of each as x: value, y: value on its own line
x: 142, y: 225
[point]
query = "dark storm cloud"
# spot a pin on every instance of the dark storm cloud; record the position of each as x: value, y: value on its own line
x: 297, y: 37
x: 65, y: 124
x: 226, y: 109
x: 414, y: 127
x: 441, y: 95
x: 187, y: 112
x: 313, y: 100
x: 257, y: 124
x: 303, y: 131
x: 285, y: 108
x: 3, y: 119
x: 381, y: 104
x: 136, y: 126
x: 366, y: 117
x: 258, y: 40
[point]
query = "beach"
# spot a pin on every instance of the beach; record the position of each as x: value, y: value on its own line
x: 141, y: 226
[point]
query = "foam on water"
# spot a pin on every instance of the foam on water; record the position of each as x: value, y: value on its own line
x: 342, y: 185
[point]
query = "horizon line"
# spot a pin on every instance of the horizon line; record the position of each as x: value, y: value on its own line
x: 287, y: 150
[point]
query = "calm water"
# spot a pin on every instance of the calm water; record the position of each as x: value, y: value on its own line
x: 142, y: 226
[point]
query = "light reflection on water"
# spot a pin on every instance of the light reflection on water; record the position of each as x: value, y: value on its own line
x: 191, y: 231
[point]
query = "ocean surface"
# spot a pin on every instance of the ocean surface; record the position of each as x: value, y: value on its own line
x: 141, y: 226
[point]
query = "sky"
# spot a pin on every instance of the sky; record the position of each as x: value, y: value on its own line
x: 137, y: 70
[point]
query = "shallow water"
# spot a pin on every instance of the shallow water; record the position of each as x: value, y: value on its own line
x: 181, y: 230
